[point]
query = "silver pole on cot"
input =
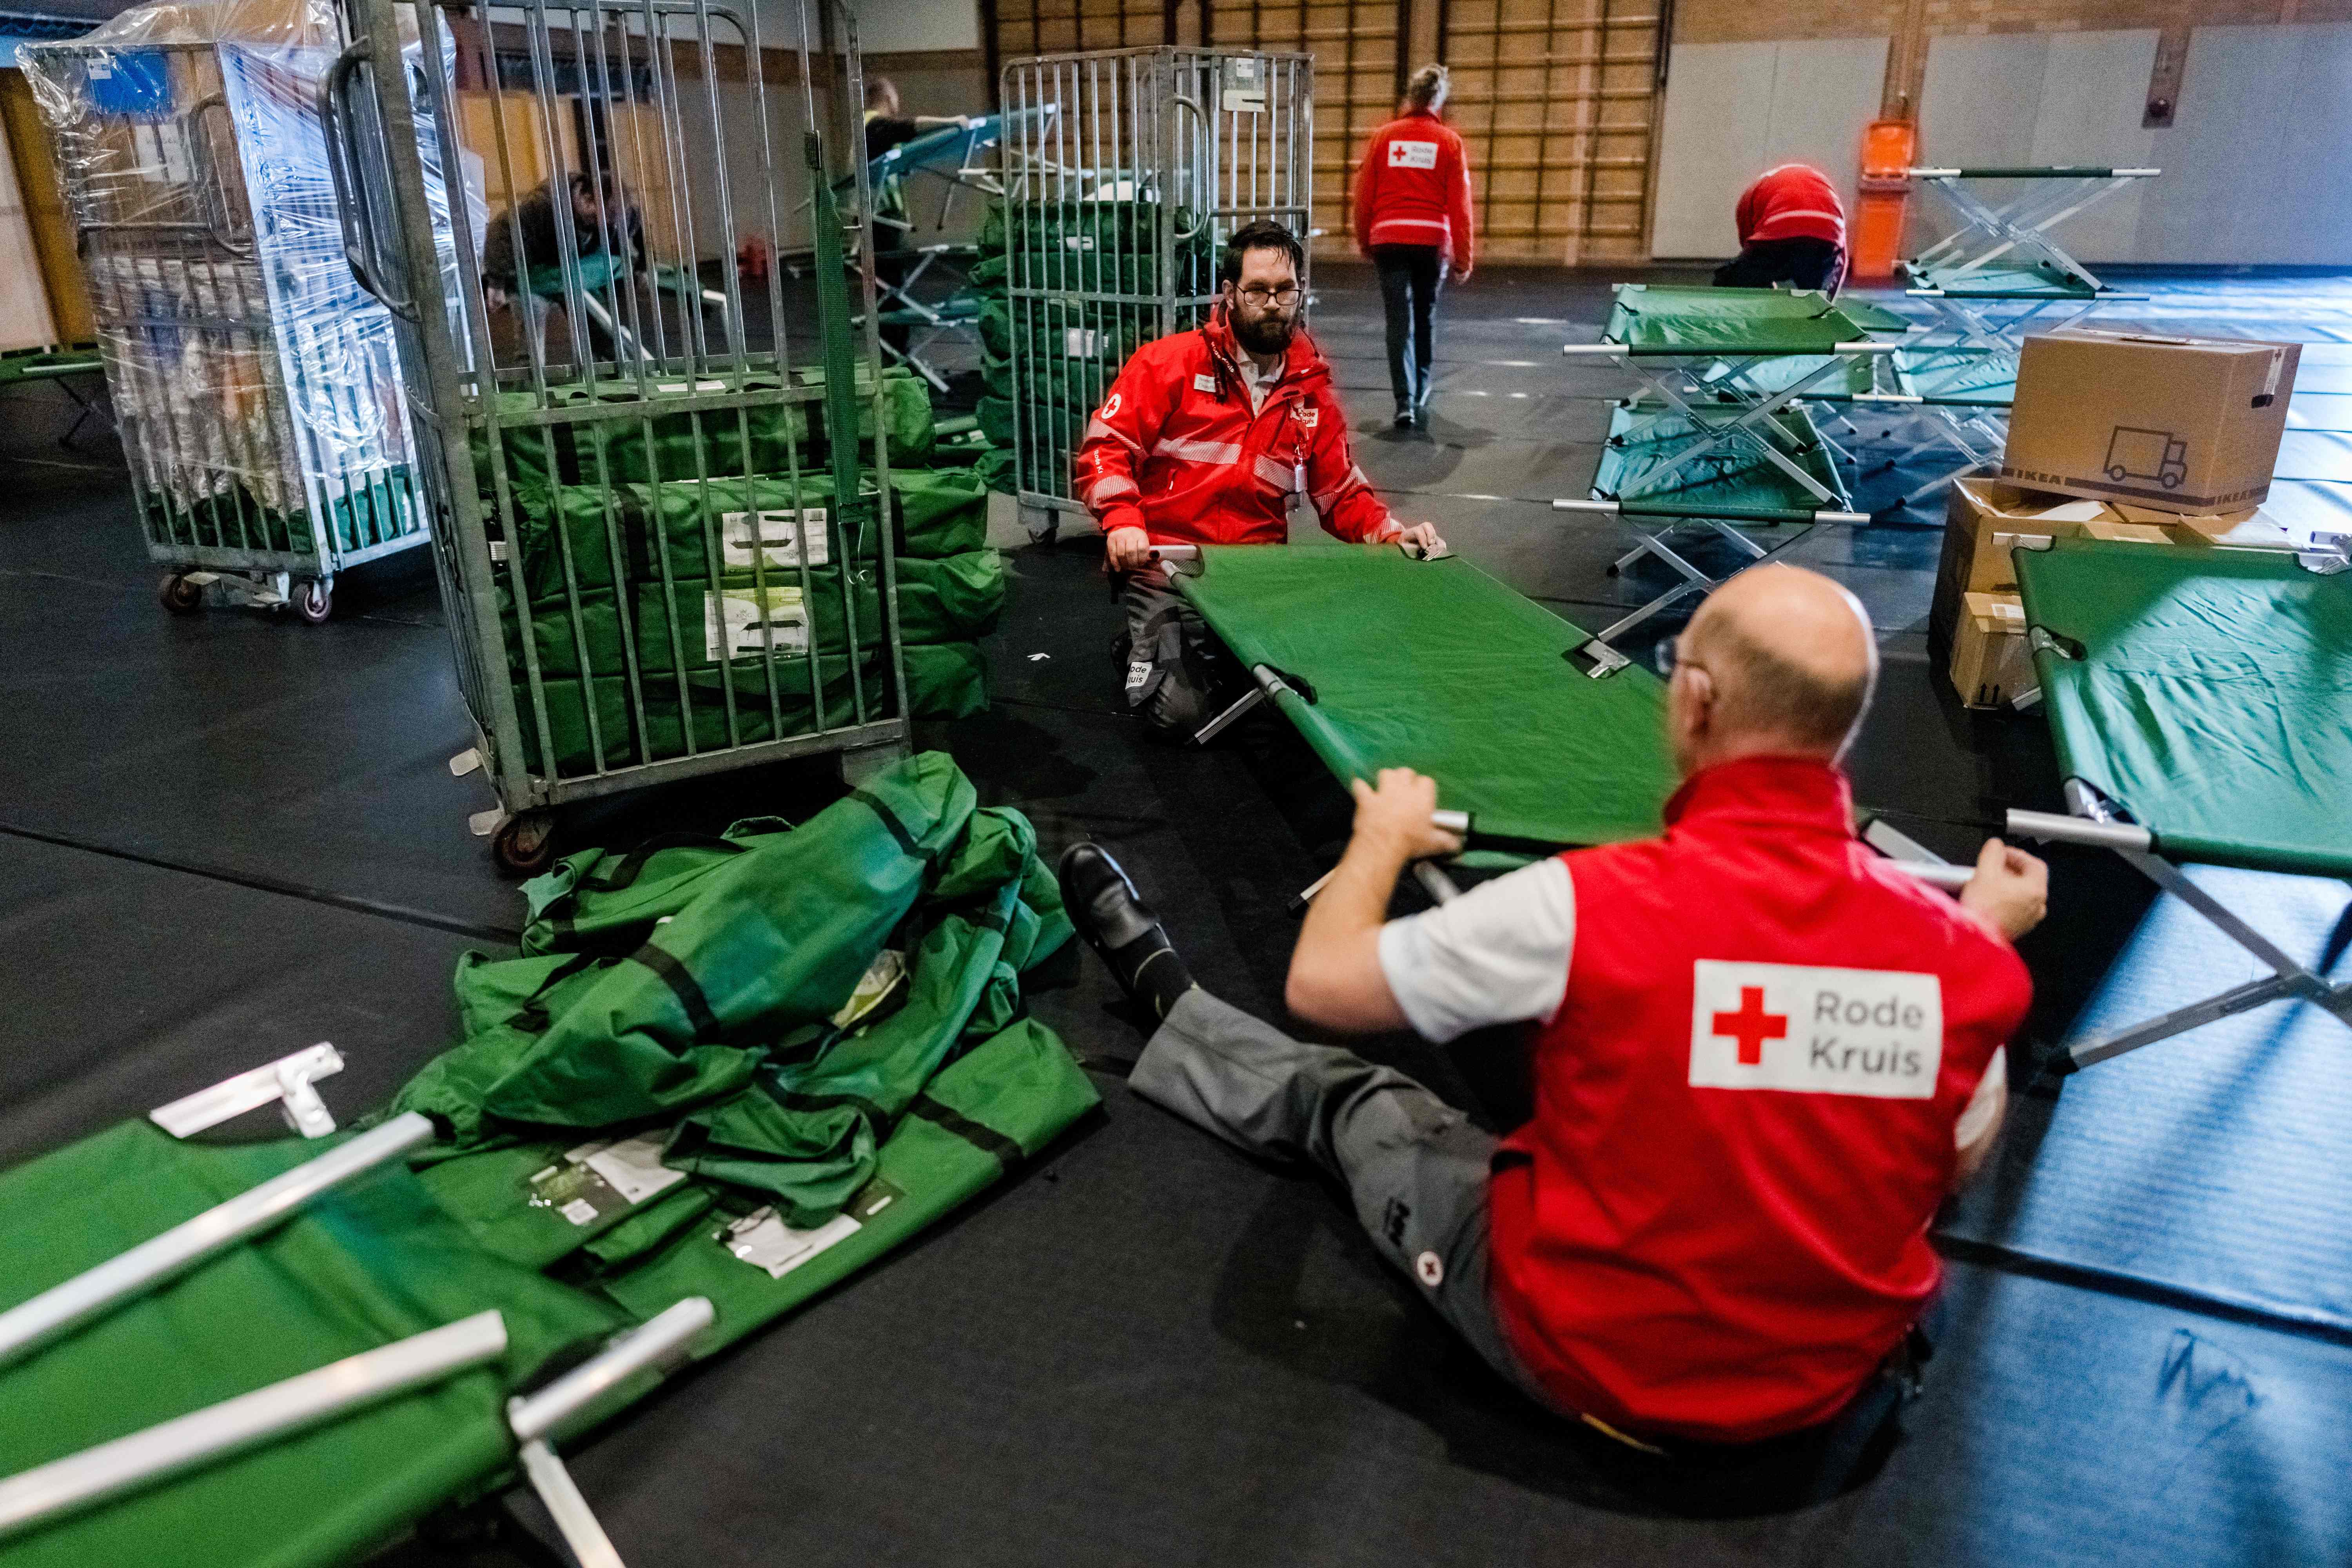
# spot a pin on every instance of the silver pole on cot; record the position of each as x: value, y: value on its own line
x: 658, y: 1342
x: 1454, y: 821
x: 218, y: 1430
x: 185, y: 1244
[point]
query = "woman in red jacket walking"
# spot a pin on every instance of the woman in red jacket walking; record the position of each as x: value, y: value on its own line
x: 1413, y: 221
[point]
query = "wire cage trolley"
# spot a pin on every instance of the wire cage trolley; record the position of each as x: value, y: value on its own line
x: 1125, y: 172
x: 657, y: 482
x: 256, y: 386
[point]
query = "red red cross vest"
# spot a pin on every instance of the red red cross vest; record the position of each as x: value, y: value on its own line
x: 1715, y: 1226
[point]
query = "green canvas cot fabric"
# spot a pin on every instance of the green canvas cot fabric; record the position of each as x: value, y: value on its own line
x: 372, y: 1262
x: 1732, y: 482
x: 2213, y: 699
x: 720, y: 1029
x: 1437, y: 666
x: 954, y: 600
x: 945, y: 680
x: 2039, y: 280
x: 1654, y: 320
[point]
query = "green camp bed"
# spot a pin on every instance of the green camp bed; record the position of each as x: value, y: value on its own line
x: 1721, y: 441
x: 2201, y: 703
x: 722, y: 1075
x: 1999, y: 274
x: 1383, y: 660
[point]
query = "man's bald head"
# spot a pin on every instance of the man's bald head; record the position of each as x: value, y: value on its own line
x: 1784, y: 661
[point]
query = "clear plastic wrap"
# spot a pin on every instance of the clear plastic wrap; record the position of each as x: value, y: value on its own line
x: 257, y: 384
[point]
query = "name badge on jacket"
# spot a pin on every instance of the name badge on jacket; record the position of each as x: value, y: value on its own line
x: 1413, y: 154
x: 1807, y: 1030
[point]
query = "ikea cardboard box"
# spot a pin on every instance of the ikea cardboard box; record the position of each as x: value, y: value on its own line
x: 1992, y: 664
x: 2178, y: 424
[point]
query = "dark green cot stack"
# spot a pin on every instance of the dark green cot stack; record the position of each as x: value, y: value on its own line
x: 622, y: 574
x: 1099, y: 265
x: 683, y: 997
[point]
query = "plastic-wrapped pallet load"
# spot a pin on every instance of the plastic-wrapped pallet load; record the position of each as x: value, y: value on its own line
x: 257, y: 386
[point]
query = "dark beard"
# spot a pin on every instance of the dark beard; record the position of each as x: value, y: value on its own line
x: 1270, y: 336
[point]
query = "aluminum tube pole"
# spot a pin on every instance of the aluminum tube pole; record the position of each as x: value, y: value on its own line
x: 1607, y: 508
x: 185, y: 1244
x: 658, y: 1338
x: 1595, y: 351
x: 574, y: 1520
x: 2054, y: 829
x: 1936, y: 873
x: 223, y: 1429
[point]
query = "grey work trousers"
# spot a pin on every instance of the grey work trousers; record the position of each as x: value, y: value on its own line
x: 1178, y: 675
x: 1414, y: 1167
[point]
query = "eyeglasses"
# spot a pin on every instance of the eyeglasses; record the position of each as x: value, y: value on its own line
x: 1261, y: 295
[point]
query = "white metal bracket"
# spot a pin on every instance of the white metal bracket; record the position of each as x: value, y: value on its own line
x: 286, y: 1080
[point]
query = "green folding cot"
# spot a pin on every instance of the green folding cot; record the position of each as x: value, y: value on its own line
x: 723, y: 1075
x: 1381, y: 660
x: 1722, y: 440
x: 2201, y: 703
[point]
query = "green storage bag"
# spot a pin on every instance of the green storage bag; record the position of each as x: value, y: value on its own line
x: 945, y: 680
x: 938, y: 512
x: 954, y: 600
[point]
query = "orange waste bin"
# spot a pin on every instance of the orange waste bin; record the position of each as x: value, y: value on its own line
x: 1887, y: 150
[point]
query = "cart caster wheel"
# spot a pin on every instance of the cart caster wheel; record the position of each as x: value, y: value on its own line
x: 525, y: 844
x: 181, y: 596
x: 314, y: 601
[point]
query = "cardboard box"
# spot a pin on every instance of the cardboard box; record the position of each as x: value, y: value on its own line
x: 2176, y: 424
x: 1991, y: 664
x: 1986, y: 520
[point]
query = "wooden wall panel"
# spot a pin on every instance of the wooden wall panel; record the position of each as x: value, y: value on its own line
x: 1557, y: 101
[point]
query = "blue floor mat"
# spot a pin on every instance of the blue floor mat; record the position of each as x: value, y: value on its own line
x: 2212, y: 1163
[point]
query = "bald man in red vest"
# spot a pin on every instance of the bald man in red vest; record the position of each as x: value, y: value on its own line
x: 1761, y: 1058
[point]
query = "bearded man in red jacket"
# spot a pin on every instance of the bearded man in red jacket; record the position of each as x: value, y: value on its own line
x: 1212, y: 437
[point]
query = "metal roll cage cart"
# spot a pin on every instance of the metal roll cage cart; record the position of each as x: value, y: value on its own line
x: 637, y: 588
x: 2001, y: 260
x: 256, y: 390
x: 2095, y: 822
x: 1125, y: 170
x: 1730, y: 420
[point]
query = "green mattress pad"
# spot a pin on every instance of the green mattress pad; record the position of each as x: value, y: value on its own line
x: 2213, y: 696
x: 1733, y: 483
x: 1437, y: 666
x: 1651, y: 320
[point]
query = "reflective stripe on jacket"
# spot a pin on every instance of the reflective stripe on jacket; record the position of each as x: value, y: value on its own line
x: 1176, y: 450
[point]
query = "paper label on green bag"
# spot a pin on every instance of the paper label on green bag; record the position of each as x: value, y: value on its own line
x: 737, y: 622
x: 1080, y: 343
x: 763, y: 1240
x: 773, y: 538
x: 600, y: 1178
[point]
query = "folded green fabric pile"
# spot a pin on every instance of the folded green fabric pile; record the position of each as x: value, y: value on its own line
x: 741, y: 1068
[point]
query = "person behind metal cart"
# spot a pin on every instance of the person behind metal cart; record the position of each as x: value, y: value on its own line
x: 888, y: 126
x: 1761, y: 1058
x: 1413, y: 223
x: 1211, y: 436
x: 1791, y: 230
x: 524, y: 241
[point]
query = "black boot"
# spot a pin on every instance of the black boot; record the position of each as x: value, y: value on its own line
x: 1114, y: 921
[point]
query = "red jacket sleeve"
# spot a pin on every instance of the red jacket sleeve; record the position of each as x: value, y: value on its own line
x: 1749, y: 214
x: 1108, y: 462
x: 1343, y: 498
x: 1457, y: 206
x: 1367, y: 177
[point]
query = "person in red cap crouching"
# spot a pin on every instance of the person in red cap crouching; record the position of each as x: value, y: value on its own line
x: 1761, y: 1058
x: 1212, y: 437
